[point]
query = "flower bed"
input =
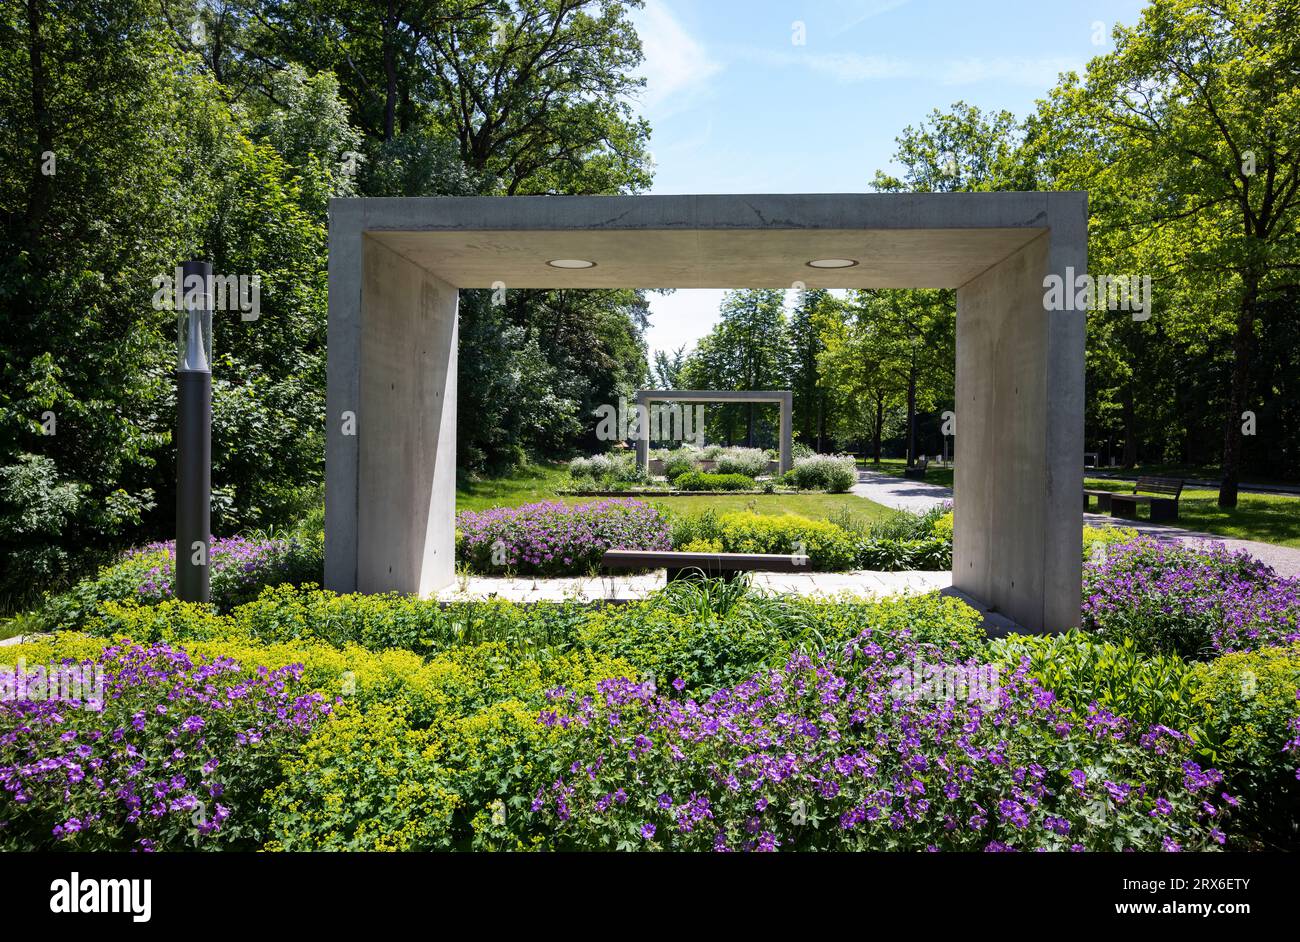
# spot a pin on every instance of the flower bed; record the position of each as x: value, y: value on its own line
x: 853, y: 754
x: 167, y: 752
x: 552, y: 538
x: 1194, y: 602
x: 240, y: 567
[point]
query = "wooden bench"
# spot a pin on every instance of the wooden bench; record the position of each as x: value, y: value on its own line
x: 711, y: 565
x: 1103, y: 500
x: 917, y: 471
x: 1161, y: 493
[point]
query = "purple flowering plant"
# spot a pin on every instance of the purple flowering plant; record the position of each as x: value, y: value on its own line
x: 1194, y: 602
x: 827, y: 753
x: 240, y: 567
x: 553, y: 538
x: 175, y: 754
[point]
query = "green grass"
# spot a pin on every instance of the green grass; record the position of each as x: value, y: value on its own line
x: 525, y: 485
x: 538, y: 482
x: 896, y: 466
x: 1267, y: 518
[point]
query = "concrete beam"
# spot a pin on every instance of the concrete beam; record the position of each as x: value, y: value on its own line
x: 783, y: 397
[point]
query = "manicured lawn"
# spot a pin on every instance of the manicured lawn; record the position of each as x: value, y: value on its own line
x: 1269, y: 518
x: 895, y: 466
x: 538, y: 482
x: 523, y: 486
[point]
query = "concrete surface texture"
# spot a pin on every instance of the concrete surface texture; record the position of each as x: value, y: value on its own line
x: 782, y: 397
x: 1019, y: 373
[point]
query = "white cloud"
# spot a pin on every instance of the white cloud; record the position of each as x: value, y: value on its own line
x: 862, y: 11
x: 677, y: 67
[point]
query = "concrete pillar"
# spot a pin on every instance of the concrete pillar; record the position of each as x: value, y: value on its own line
x: 787, y: 431
x: 1019, y: 447
x: 396, y: 530
x: 343, y: 394
x: 642, y: 406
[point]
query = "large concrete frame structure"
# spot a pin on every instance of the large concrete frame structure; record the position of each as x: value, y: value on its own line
x: 782, y: 397
x: 395, y: 266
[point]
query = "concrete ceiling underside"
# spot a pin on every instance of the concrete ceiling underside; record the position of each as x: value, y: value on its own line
x: 708, y: 258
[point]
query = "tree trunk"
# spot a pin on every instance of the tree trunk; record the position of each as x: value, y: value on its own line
x: 1241, y: 349
x: 876, y: 431
x: 1130, y: 427
x: 390, y: 75
x: 821, y: 422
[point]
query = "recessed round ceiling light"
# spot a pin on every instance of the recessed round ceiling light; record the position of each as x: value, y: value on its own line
x: 571, y: 263
x: 832, y: 263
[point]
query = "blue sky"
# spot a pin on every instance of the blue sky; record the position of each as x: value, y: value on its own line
x: 737, y: 105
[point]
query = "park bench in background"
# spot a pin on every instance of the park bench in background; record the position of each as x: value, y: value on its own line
x: 917, y: 471
x: 685, y: 565
x: 1103, y: 500
x: 1161, y: 493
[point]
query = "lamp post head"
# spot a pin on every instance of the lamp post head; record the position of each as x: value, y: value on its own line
x: 194, y: 319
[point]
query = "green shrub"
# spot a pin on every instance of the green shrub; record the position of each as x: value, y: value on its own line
x: 680, y: 462
x: 375, y: 622
x: 608, y: 470
x: 948, y: 623
x: 828, y: 548
x: 700, y: 481
x: 834, y: 473
x: 931, y: 554
x: 1245, y: 704
x: 1080, y: 670
x: 713, y: 633
x: 749, y: 462
x: 907, y: 525
x: 453, y: 774
x: 366, y: 781
x: 665, y: 645
x: 700, y: 526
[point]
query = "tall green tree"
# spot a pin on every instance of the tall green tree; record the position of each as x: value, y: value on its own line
x: 748, y: 349
x: 808, y: 390
x: 1199, y: 109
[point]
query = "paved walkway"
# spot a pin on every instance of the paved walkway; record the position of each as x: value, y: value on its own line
x: 900, y: 493
x: 862, y: 584
x: 917, y: 496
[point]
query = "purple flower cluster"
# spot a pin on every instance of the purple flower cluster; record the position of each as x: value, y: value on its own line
x: 234, y: 562
x: 553, y: 538
x: 1189, y: 601
x: 175, y: 755
x: 824, y: 754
